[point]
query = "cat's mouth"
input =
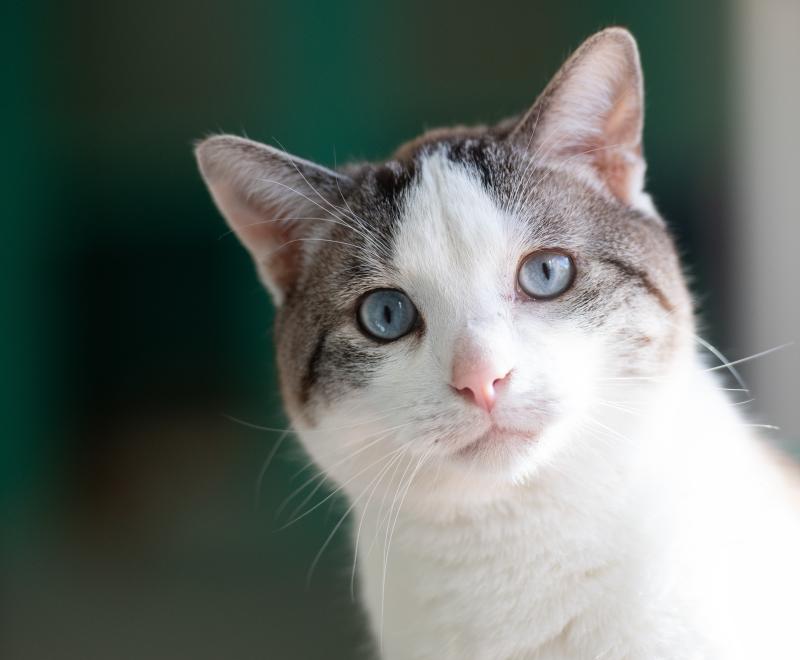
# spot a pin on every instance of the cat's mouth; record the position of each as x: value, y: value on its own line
x: 499, y: 436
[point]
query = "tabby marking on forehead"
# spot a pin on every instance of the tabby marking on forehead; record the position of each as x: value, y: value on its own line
x: 452, y: 228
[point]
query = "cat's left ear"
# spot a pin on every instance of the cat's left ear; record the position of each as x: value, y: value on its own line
x: 589, y: 118
x: 272, y: 201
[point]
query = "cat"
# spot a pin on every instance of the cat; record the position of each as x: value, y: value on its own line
x: 488, y: 344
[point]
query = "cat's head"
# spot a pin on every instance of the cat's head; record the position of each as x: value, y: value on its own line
x: 473, y: 302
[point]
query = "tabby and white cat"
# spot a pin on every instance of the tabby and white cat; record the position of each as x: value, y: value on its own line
x: 488, y: 343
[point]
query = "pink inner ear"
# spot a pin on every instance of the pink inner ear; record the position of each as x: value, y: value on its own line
x: 621, y: 170
x: 267, y: 238
x: 620, y: 163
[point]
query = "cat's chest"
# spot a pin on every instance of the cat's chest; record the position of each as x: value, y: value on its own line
x: 502, y: 591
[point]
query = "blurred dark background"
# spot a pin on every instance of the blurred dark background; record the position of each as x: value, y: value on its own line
x: 134, y: 327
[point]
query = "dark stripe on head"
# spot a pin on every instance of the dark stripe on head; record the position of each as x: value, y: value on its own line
x: 643, y: 279
x: 335, y: 365
x: 475, y: 153
x: 393, y: 177
x: 311, y: 374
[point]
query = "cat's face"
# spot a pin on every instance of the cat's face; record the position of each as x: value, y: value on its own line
x: 478, y: 302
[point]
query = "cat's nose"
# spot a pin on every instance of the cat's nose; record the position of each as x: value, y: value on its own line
x: 479, y: 382
x: 483, y: 357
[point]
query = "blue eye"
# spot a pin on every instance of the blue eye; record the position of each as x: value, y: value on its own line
x: 546, y: 274
x: 386, y: 314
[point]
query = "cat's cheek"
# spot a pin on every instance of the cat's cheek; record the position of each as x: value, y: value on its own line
x: 564, y: 369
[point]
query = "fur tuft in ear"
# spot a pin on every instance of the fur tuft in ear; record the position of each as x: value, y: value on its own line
x: 270, y: 199
x: 590, y: 117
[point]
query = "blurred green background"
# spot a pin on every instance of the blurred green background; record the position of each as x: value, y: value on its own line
x: 133, y: 327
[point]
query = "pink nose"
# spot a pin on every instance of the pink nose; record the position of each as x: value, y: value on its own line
x: 478, y: 383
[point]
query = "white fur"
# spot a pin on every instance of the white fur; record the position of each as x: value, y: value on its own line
x: 653, y: 529
x: 679, y: 545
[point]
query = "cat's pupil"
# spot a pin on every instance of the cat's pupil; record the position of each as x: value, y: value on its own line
x: 387, y: 314
x: 546, y: 269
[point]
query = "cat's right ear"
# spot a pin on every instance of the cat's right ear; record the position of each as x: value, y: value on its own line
x: 591, y: 116
x: 270, y: 199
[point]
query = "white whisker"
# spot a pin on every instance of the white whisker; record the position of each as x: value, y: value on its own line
x: 751, y: 357
x: 723, y: 360
x: 338, y: 525
x: 336, y: 490
x: 265, y: 466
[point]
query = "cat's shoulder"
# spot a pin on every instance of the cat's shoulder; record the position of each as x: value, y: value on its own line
x: 788, y: 469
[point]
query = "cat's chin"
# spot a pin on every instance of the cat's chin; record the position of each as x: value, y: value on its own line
x: 498, y: 440
x: 510, y: 452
